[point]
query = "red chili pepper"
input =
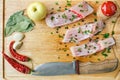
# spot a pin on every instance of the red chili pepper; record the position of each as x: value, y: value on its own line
x: 17, y: 55
x: 79, y: 15
x: 19, y: 67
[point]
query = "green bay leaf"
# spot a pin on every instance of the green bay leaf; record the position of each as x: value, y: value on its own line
x: 18, y: 22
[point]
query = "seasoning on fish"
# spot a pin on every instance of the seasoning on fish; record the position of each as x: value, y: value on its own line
x: 83, y: 32
x: 75, y: 13
x: 92, y: 47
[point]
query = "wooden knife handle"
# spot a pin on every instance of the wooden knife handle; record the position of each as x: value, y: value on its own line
x: 96, y: 67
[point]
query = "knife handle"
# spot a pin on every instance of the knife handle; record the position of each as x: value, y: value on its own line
x: 94, y: 67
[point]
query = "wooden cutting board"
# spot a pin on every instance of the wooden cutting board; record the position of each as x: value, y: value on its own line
x: 42, y: 46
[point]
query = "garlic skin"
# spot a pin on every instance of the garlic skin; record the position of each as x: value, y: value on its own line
x: 17, y: 45
x: 18, y: 36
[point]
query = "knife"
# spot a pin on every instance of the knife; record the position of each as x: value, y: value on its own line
x: 75, y: 67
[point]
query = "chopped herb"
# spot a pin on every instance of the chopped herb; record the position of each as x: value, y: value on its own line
x: 51, y: 32
x: 58, y: 10
x: 113, y: 33
x: 106, y: 35
x: 85, y: 46
x: 81, y: 10
x: 94, y: 13
x: 80, y: 5
x: 94, y: 47
x: 78, y: 23
x: 66, y: 27
x: 73, y: 17
x: 87, y: 31
x: 56, y: 3
x: 79, y: 30
x: 95, y: 20
x: 72, y: 39
x: 104, y: 53
x: 52, y: 18
x: 113, y: 22
x: 66, y: 9
x: 79, y: 50
x: 98, y: 59
x: 64, y: 16
x: 108, y: 50
x: 97, y: 1
x: 68, y: 3
x: 60, y: 36
x: 64, y: 50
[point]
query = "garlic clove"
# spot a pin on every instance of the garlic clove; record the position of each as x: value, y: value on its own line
x: 18, y: 36
x: 17, y: 45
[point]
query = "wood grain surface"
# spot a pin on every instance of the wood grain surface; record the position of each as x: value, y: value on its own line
x: 42, y: 46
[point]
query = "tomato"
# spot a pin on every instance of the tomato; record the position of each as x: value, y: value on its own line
x: 108, y: 8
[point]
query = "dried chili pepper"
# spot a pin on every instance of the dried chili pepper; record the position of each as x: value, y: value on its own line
x: 17, y: 55
x: 19, y: 67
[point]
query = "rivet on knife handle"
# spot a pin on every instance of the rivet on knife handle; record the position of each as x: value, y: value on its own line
x: 77, y: 67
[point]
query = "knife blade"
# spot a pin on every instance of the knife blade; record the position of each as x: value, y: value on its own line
x: 75, y: 67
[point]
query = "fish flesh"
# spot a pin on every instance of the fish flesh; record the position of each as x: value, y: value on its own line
x: 92, y: 47
x: 75, y: 13
x: 80, y: 33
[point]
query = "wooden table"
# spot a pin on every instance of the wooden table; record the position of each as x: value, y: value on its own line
x: 107, y: 76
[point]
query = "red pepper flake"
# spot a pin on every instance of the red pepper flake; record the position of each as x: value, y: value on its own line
x: 78, y: 15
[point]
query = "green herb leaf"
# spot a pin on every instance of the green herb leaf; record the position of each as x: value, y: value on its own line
x: 18, y: 22
x: 95, y: 20
x: 68, y: 3
x: 108, y: 50
x: 113, y: 33
x: 56, y: 3
x: 79, y: 50
x: 113, y: 22
x: 60, y: 36
x: 106, y: 35
x: 64, y: 16
x: 52, y: 18
x: 80, y: 5
x: 79, y: 30
x: 104, y: 53
x: 73, y: 17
